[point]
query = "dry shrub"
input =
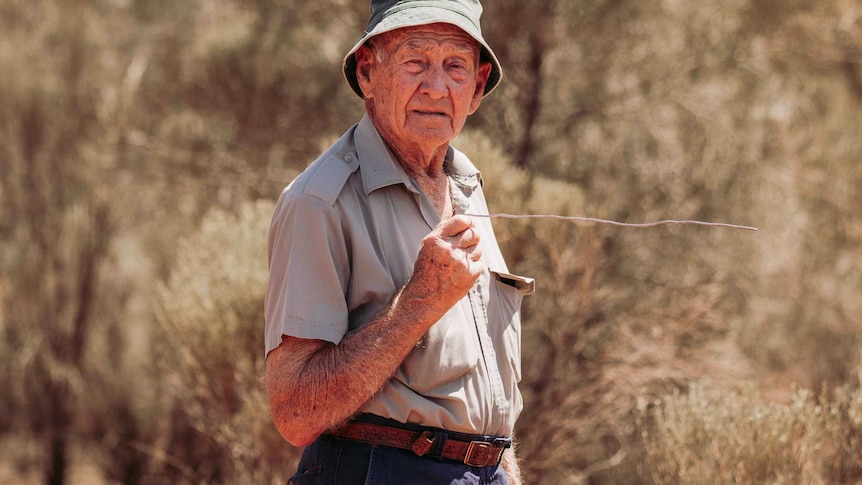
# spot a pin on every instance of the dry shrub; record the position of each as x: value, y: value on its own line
x: 721, y: 437
x: 841, y: 427
x: 611, y: 320
x: 711, y: 436
x: 213, y: 359
x: 564, y: 329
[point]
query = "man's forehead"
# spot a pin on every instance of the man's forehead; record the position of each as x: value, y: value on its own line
x: 422, y: 36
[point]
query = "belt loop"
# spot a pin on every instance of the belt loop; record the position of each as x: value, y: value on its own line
x: 440, y: 437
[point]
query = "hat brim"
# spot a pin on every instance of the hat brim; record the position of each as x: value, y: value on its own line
x: 412, y: 17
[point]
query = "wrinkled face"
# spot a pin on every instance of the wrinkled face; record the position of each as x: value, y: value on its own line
x: 421, y: 83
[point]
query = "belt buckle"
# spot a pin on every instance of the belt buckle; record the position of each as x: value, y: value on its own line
x: 482, y: 450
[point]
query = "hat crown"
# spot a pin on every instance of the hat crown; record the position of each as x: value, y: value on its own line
x: 380, y: 9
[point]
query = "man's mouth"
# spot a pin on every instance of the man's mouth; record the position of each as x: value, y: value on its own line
x: 430, y: 113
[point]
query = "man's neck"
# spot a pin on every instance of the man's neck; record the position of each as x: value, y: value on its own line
x: 425, y: 167
x: 419, y: 164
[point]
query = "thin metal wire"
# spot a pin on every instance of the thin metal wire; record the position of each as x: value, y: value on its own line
x: 604, y: 221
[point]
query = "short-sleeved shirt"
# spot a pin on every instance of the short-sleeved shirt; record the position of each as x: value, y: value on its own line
x: 344, y: 238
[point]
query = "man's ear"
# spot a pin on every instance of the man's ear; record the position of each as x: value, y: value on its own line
x: 481, y: 80
x: 364, y: 62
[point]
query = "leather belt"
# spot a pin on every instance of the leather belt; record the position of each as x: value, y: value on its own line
x: 487, y: 451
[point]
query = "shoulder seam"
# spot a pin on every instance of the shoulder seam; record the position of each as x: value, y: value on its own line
x: 330, y: 176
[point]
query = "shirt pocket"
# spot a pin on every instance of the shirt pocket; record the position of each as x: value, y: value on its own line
x: 505, y: 309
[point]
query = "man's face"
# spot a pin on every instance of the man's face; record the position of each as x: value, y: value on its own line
x: 426, y: 84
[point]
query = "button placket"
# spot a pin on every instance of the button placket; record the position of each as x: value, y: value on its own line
x: 489, y: 356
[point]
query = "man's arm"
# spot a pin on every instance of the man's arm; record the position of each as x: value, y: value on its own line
x: 314, y: 385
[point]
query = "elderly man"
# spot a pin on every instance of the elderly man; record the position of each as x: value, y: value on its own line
x: 392, y: 323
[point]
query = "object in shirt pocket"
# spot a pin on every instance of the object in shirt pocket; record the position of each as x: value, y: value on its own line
x: 524, y: 285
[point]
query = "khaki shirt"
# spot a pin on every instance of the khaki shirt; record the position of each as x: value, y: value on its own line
x: 343, y: 240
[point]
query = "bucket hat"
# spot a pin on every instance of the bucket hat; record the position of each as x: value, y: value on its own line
x: 388, y: 15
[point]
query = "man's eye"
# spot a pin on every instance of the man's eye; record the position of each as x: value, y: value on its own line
x: 456, y: 64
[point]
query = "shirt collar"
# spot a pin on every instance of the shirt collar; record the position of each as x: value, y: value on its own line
x: 377, y: 165
x: 380, y: 168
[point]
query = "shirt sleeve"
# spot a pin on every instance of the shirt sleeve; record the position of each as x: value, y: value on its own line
x: 308, y: 272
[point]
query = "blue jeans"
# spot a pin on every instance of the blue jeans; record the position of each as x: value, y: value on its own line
x: 331, y: 461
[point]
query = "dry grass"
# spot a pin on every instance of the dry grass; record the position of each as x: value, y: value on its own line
x: 720, y: 436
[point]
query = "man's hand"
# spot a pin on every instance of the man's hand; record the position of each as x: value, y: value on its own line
x: 448, y: 264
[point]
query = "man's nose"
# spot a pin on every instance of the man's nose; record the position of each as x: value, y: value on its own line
x: 434, y: 83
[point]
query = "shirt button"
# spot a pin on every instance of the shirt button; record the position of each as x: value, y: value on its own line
x: 348, y: 158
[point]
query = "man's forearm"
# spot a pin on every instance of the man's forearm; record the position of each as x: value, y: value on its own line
x: 314, y: 385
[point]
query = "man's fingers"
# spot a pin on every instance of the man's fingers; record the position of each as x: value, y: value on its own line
x: 455, y: 225
x: 468, y: 238
x: 474, y: 253
x: 459, y: 231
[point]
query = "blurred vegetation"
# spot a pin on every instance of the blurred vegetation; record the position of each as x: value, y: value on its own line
x: 143, y: 144
x: 709, y: 437
x: 209, y: 352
